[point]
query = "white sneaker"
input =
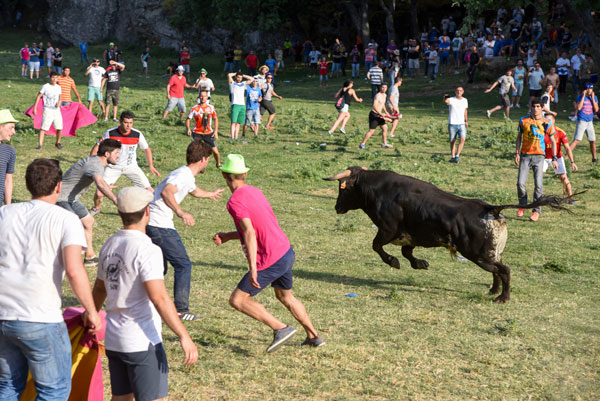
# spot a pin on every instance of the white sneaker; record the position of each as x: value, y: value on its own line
x: 518, y: 106
x: 386, y: 145
x: 488, y: 113
x: 573, y: 118
x: 512, y: 105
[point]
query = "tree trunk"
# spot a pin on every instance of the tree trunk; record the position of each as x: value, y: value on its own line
x: 582, y: 12
x: 360, y: 19
x: 414, y: 23
x: 389, y: 18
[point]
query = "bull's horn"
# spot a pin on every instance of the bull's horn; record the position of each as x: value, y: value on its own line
x: 343, y: 174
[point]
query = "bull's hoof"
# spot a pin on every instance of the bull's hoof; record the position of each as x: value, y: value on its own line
x: 502, y: 299
x: 494, y: 291
x: 394, y: 262
x: 420, y: 264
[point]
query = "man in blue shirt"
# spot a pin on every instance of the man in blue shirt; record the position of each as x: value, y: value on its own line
x: 83, y: 49
x: 271, y: 63
x: 444, y: 53
x: 586, y: 106
x: 253, y: 99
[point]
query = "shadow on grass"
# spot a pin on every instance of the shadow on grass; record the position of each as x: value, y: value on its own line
x: 206, y: 342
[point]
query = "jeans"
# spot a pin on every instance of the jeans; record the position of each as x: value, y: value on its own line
x: 432, y: 71
x: 575, y: 80
x: 174, y: 252
x: 471, y: 72
x: 375, y: 90
x: 355, y: 70
x: 44, y: 349
x: 368, y: 65
x: 228, y: 66
x: 84, y: 55
x: 536, y: 163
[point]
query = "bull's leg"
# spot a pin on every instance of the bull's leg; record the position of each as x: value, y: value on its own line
x: 495, y: 288
x: 503, y: 273
x: 382, y: 238
x: 407, y: 252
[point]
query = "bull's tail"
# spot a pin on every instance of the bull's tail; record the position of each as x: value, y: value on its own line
x: 553, y: 201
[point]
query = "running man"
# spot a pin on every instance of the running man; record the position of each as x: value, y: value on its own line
x: 506, y: 82
x: 377, y: 118
x: 203, y: 115
x: 561, y: 171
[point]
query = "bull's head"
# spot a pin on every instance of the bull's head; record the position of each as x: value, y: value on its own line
x: 348, y: 198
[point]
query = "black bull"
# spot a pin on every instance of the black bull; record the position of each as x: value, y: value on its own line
x: 410, y: 212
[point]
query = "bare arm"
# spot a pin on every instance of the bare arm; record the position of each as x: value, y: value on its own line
x: 221, y: 238
x: 230, y: 77
x: 102, y: 84
x: 466, y: 117
x: 105, y: 188
x: 76, y: 93
x: 251, y: 247
x: 35, y: 105
x: 165, y: 307
x: 8, y: 189
x: 570, y: 155
x: 353, y: 93
x: 216, y: 132
x: 80, y: 283
x: 168, y: 195
x: 187, y: 125
x: 94, y: 150
x: 148, y: 154
x: 200, y: 193
x: 168, y: 91
x: 492, y: 87
x: 518, y: 147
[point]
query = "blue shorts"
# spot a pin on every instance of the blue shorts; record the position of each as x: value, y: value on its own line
x: 279, y: 275
x: 252, y: 116
x: 444, y: 59
x: 455, y: 130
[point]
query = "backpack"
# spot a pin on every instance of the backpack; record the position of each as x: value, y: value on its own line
x: 341, y: 102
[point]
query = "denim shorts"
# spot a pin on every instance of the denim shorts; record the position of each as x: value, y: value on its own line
x: 176, y: 101
x: 75, y: 207
x: 252, y: 116
x: 455, y: 130
x: 278, y: 275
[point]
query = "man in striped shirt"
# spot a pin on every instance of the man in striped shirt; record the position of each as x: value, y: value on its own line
x: 8, y: 156
x: 67, y: 84
x: 375, y: 76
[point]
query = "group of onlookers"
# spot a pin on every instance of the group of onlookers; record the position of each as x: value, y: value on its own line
x: 35, y: 57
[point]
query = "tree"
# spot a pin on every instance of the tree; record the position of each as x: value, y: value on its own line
x: 389, y: 18
x: 582, y: 12
x: 414, y: 22
x: 360, y: 18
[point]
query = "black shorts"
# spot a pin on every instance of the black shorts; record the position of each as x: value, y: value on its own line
x: 266, y: 105
x: 375, y: 120
x: 535, y: 92
x: 209, y: 139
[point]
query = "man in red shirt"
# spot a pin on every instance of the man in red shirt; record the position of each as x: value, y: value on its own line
x: 251, y: 62
x: 203, y: 115
x: 269, y: 253
x: 561, y: 171
x: 175, y: 95
x: 184, y: 59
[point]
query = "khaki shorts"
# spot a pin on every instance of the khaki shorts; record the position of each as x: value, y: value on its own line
x: 50, y: 117
x: 587, y: 127
x: 112, y: 95
x: 112, y: 173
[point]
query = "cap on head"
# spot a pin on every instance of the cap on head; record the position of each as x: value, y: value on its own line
x: 234, y: 164
x: 133, y: 199
x: 111, y: 44
x: 6, y: 117
x: 203, y: 70
x: 180, y: 68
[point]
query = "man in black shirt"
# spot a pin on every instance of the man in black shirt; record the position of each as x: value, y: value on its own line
x: 111, y: 78
x: 474, y: 61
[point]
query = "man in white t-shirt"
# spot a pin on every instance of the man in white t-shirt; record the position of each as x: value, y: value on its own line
x: 506, y: 82
x: 203, y: 83
x: 130, y: 278
x: 576, y: 61
x: 535, y: 77
x: 50, y: 93
x: 96, y: 73
x: 237, y: 95
x: 563, y: 66
x: 314, y: 56
x: 40, y: 243
x: 130, y: 139
x: 457, y: 121
x: 167, y: 197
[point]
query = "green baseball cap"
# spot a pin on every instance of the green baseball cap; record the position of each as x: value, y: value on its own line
x: 234, y: 164
x: 6, y: 117
x: 203, y: 70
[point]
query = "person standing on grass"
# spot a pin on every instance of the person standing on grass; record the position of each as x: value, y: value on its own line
x: 130, y: 138
x: 238, y: 101
x: 546, y: 100
x: 34, y: 61
x: 83, y: 45
x: 112, y: 78
x: 49, y: 53
x: 392, y: 104
x: 24, y: 53
x: 323, y: 65
x: 184, y: 60
x: 355, y: 61
x: 268, y: 91
x: 228, y: 60
x: 552, y: 79
x: 433, y: 63
x: 204, y: 83
x: 253, y: 99
x: 530, y: 154
x: 563, y: 66
x: 161, y: 230
x: 561, y: 172
x: 535, y: 78
x: 474, y: 60
x: 346, y: 93
x: 457, y: 122
x: 144, y: 59
x: 505, y: 82
x: 586, y: 105
x: 8, y: 157
x: 375, y: 77
x: 95, y: 72
x: 377, y: 118
x: 41, y: 244
x: 51, y: 115
x: 130, y: 278
x: 67, y: 84
x: 57, y: 60
x: 279, y: 58
x: 519, y: 75
x: 203, y: 115
x: 237, y: 58
x: 314, y: 57
x: 251, y: 62
x: 77, y: 181
x: 175, y: 96
x: 269, y: 254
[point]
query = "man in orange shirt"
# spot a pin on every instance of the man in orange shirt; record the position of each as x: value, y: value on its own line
x: 530, y: 152
x: 67, y: 84
x: 203, y: 114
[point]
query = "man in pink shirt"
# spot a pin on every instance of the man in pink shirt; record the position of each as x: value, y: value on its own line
x: 270, y: 257
x: 175, y: 93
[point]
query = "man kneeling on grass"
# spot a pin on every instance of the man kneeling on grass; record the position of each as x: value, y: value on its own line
x: 130, y: 278
x: 270, y: 257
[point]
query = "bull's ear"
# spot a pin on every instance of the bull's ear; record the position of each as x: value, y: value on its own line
x: 343, y: 185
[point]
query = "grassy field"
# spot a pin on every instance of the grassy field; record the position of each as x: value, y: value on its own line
x: 408, y: 335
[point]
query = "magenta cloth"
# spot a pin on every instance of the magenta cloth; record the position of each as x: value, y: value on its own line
x: 75, y: 116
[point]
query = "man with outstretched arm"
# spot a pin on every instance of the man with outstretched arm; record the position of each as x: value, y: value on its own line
x: 378, y: 117
x: 269, y: 253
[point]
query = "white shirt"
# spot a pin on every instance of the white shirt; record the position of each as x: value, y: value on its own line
x: 534, y: 79
x: 161, y: 215
x: 51, y: 95
x: 205, y: 84
x: 32, y: 238
x: 128, y: 154
x: 127, y: 260
x: 237, y: 93
x: 563, y: 65
x: 576, y: 62
x: 95, y: 74
x: 314, y: 56
x: 489, y: 48
x: 457, y: 110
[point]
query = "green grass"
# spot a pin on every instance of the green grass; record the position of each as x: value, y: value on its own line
x: 418, y: 335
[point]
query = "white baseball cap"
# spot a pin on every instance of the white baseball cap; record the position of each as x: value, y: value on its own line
x: 133, y: 199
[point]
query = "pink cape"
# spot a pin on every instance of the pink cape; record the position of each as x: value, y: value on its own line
x: 75, y: 116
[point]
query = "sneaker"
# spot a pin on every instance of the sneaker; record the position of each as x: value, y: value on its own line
x: 488, y: 113
x: 361, y: 146
x: 534, y: 216
x: 573, y: 118
x: 343, y: 131
x: 280, y: 337
x: 452, y: 159
x: 594, y: 160
x: 457, y: 159
x: 330, y: 133
x: 518, y: 106
x: 189, y: 317
x: 313, y: 342
x: 512, y: 106
x: 520, y: 212
x: 386, y: 145
x: 39, y: 147
x: 58, y: 146
x: 572, y: 202
x: 219, y: 165
x: 114, y: 119
x: 105, y: 118
x: 94, y: 211
x: 90, y: 261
